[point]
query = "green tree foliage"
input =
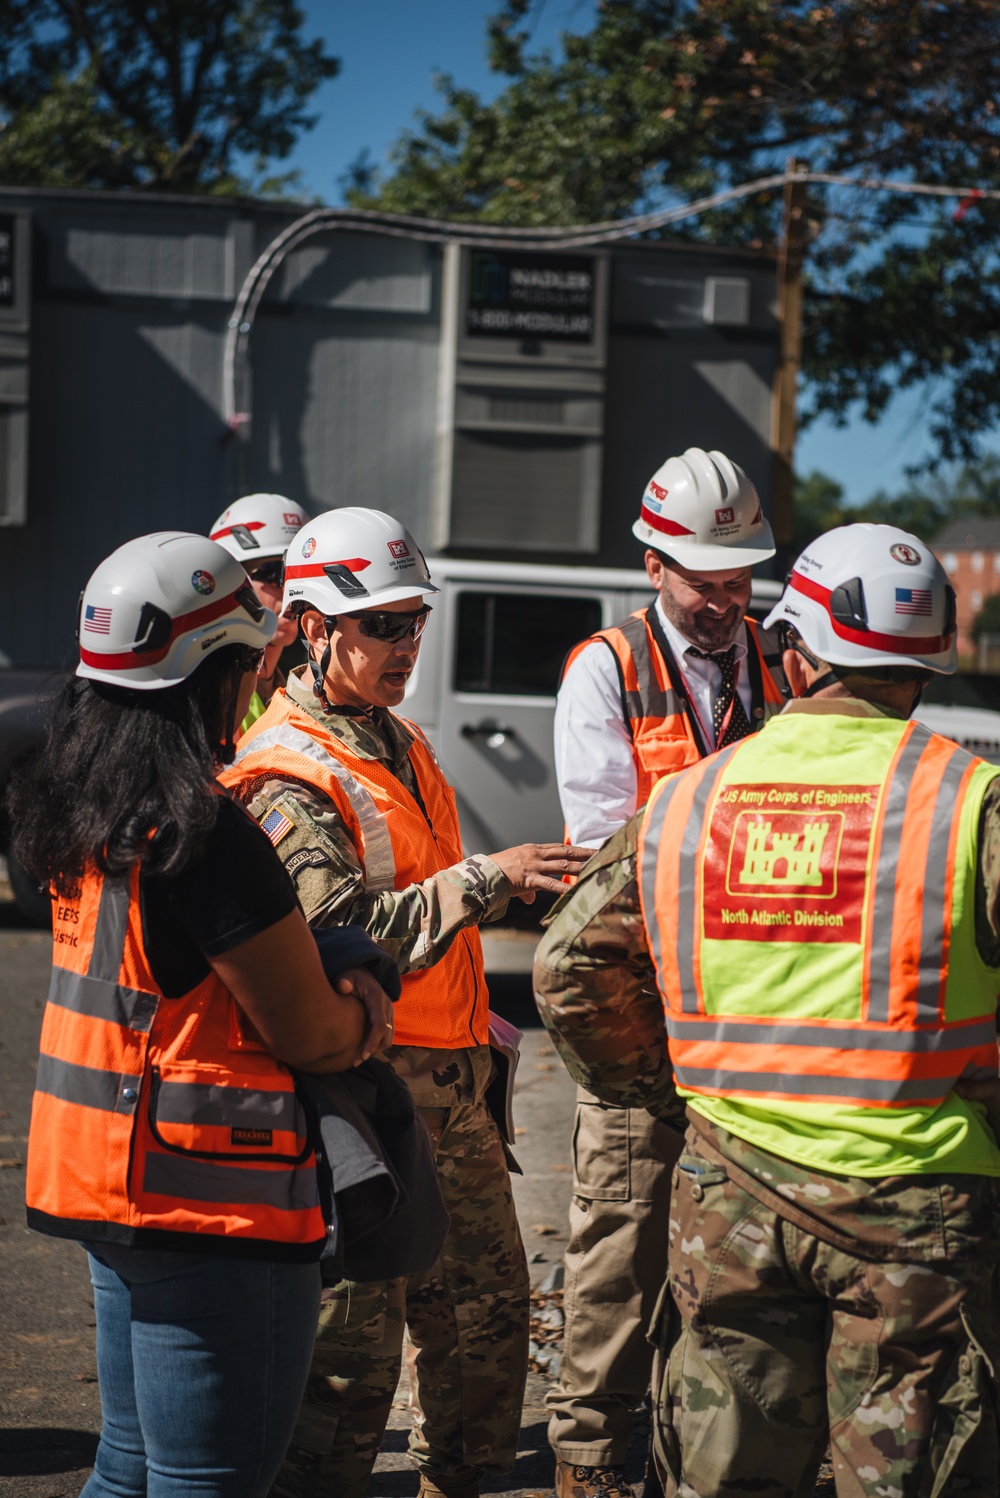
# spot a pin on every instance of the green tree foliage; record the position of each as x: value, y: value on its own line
x: 667, y: 100
x: 925, y: 509
x: 987, y: 621
x: 166, y: 94
x: 819, y: 507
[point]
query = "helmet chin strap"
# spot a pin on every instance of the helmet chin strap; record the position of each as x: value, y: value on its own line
x: 821, y: 681
x: 321, y: 667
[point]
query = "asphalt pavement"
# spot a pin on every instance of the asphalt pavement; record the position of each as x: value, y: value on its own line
x: 49, y: 1403
x: 49, y: 1407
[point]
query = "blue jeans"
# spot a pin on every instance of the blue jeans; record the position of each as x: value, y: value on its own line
x: 202, y: 1363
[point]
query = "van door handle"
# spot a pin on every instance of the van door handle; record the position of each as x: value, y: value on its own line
x: 495, y: 734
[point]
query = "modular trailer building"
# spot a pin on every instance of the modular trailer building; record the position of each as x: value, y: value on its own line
x: 505, y: 400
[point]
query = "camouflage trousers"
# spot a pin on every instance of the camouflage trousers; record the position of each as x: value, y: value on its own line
x: 771, y: 1342
x: 468, y: 1327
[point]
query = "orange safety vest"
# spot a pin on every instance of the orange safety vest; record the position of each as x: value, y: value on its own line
x: 156, y: 1119
x: 809, y: 902
x: 655, y: 708
x: 445, y: 1006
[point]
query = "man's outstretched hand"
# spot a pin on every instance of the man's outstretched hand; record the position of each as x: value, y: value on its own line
x: 535, y: 866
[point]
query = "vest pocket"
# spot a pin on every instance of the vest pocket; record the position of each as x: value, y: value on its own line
x: 663, y: 751
x: 212, y: 1114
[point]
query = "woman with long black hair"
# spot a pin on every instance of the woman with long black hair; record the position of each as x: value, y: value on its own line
x: 166, y: 1132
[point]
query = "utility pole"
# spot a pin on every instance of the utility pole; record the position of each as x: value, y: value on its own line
x: 783, y: 411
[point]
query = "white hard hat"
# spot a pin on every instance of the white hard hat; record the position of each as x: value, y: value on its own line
x: 258, y: 526
x: 160, y: 605
x: 871, y: 595
x: 703, y: 511
x: 353, y: 559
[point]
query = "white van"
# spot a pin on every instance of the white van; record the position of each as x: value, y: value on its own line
x: 977, y: 729
x: 484, y: 690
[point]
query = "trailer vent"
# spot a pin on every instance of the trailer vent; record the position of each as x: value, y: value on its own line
x: 525, y: 491
x: 727, y: 301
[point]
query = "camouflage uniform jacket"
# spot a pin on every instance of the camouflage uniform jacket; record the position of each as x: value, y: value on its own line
x: 416, y: 925
x: 595, y: 990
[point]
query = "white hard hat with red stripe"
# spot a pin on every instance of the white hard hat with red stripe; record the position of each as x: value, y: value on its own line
x: 871, y: 595
x: 702, y: 510
x: 258, y: 526
x: 160, y: 605
x: 353, y: 559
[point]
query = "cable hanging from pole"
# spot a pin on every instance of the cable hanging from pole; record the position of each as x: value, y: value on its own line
x: 579, y: 236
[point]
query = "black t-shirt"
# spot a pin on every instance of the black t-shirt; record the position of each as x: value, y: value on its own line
x: 236, y: 889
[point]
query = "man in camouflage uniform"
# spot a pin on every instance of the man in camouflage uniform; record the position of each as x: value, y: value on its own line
x: 643, y: 699
x: 838, y: 1283
x: 468, y: 1317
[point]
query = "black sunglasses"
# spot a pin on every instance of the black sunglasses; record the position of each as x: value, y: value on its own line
x: 271, y: 571
x: 380, y: 624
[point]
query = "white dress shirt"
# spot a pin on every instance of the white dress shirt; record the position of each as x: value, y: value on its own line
x: 595, y: 764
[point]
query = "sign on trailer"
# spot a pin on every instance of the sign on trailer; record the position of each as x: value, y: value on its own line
x: 516, y: 295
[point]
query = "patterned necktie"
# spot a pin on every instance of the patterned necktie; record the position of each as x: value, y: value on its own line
x: 727, y: 697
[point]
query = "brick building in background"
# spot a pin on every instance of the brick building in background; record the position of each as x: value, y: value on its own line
x: 970, y: 551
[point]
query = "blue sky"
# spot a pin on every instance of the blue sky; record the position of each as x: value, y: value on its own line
x: 390, y: 51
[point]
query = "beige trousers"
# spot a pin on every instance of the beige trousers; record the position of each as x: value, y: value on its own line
x: 615, y: 1264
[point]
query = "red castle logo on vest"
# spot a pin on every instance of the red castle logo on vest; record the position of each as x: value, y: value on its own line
x: 787, y: 862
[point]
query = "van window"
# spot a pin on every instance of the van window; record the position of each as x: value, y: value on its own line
x: 516, y: 643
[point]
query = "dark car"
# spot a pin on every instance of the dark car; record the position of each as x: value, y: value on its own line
x: 25, y: 696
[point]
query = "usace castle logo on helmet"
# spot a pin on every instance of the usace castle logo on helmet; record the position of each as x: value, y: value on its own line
x: 309, y: 546
x: 726, y: 523
x: 903, y: 553
x: 401, y: 555
x: 203, y: 582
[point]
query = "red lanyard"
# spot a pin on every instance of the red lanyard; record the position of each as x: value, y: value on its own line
x: 716, y: 739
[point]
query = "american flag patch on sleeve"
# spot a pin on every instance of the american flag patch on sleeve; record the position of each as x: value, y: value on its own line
x: 277, y: 826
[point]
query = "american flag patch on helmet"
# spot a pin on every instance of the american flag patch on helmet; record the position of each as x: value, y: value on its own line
x: 915, y: 601
x: 97, y: 620
x: 277, y: 826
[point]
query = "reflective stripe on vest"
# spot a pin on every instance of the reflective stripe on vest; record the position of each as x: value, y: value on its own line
x: 892, y: 1011
x: 379, y: 860
x: 399, y: 842
x: 650, y: 697
x: 158, y: 1114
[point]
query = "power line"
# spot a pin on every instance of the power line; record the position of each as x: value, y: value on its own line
x: 442, y: 231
